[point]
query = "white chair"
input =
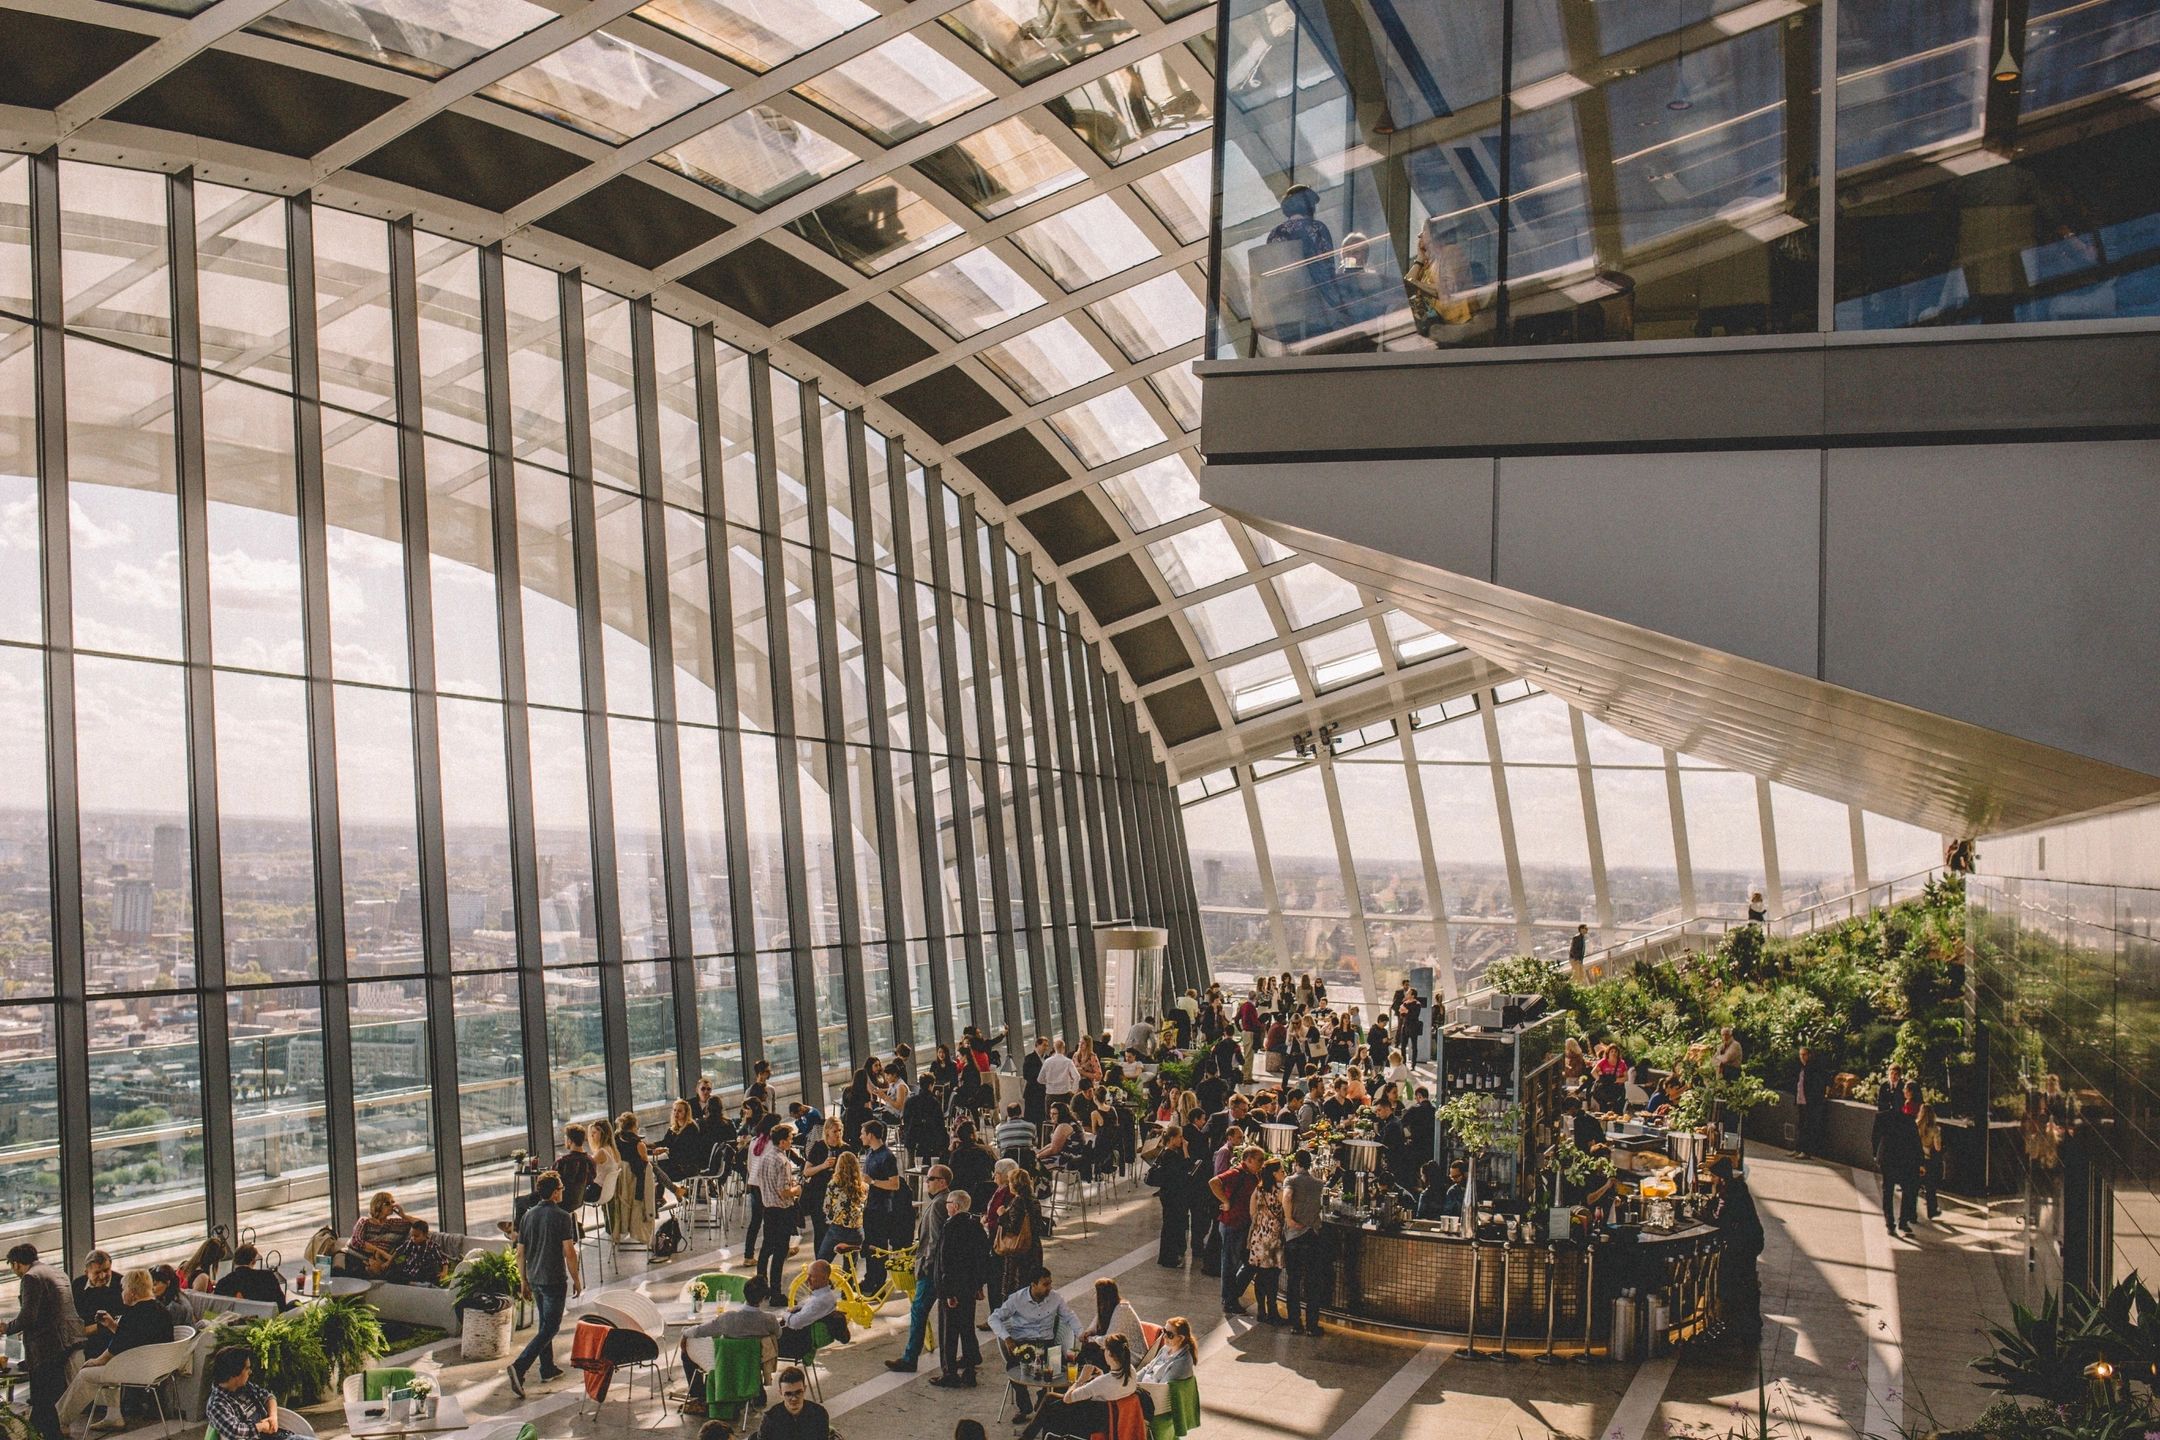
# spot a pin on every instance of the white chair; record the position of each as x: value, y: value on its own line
x: 146, y: 1367
x: 593, y: 1215
x: 632, y: 1310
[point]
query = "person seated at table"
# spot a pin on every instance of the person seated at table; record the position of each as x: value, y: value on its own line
x: 97, y: 1288
x: 1033, y: 1314
x: 238, y: 1408
x: 1441, y: 1193
x: 796, y: 1417
x: 733, y: 1322
x: 375, y: 1238
x: 1084, y: 1407
x: 1114, y: 1315
x: 247, y: 1280
x: 165, y: 1284
x: 420, y: 1258
x: 199, y: 1270
x: 819, y: 1302
x: 1608, y: 1085
x: 1667, y: 1096
x: 141, y: 1321
x: 1174, y: 1357
x: 684, y: 1149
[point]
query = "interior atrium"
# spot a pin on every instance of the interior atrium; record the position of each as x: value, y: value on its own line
x: 552, y: 551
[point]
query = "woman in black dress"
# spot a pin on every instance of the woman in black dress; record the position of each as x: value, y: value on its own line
x: 1171, y: 1176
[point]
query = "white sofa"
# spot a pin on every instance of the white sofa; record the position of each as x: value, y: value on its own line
x: 429, y: 1304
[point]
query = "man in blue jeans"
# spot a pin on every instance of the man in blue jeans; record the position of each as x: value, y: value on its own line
x: 1233, y: 1190
x: 929, y: 1231
x: 548, y: 1258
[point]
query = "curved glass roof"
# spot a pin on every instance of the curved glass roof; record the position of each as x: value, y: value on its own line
x: 989, y: 216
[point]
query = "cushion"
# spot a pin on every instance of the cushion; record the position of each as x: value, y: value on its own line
x: 374, y: 1384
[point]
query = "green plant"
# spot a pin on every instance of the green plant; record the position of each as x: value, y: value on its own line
x: 1473, y: 1125
x: 349, y: 1332
x: 1577, y: 1166
x: 1710, y: 1096
x: 486, y: 1279
x: 15, y: 1425
x: 287, y: 1353
x: 1178, y: 1073
x: 1528, y: 975
x: 2044, y: 1353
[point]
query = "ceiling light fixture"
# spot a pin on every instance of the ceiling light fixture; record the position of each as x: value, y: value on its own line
x: 1681, y: 100
x: 2006, y: 65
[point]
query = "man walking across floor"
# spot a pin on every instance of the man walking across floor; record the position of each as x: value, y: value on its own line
x: 547, y: 1252
x: 929, y: 1233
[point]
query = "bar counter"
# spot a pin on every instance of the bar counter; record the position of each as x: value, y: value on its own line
x: 1416, y: 1278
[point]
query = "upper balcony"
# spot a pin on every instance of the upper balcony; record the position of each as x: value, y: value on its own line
x: 1414, y: 179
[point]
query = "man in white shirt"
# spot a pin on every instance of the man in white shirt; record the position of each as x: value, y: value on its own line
x: 1060, y: 1075
x: 1141, y: 1037
x: 1035, y: 1314
x: 819, y: 1301
x: 776, y: 1179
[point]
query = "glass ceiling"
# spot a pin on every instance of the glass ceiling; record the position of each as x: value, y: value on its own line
x: 1021, y: 186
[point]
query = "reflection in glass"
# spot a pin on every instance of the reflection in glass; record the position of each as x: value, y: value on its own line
x: 491, y: 1090
x: 547, y: 583
x: 1028, y: 40
x: 415, y: 35
x: 876, y: 227
x: 246, y: 320
x: 363, y: 504
x: 606, y: 87
x: 1000, y: 168
x: 971, y: 293
x: 1156, y: 493
x: 15, y: 234
x: 275, y: 1048
x: 453, y: 382
x: 650, y: 1022
x: 898, y: 90
x: 1086, y: 243
x: 625, y: 620
x: 705, y: 856
x: 1045, y: 361
x: 254, y: 528
x: 577, y: 1046
x: 757, y: 34
x: 640, y: 865
x: 1178, y: 194
x: 758, y: 157
x: 352, y: 311
x: 532, y: 302
x: 1151, y: 317
x: 22, y: 609
x: 1107, y: 427
x: 1132, y: 111
x: 124, y: 515
x: 610, y: 390
x: 114, y: 279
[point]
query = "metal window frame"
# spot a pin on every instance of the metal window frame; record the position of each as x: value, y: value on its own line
x: 981, y: 618
x: 1004, y: 614
x: 963, y: 821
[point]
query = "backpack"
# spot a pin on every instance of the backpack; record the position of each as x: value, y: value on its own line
x: 667, y: 1240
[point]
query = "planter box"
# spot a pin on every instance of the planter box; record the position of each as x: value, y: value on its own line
x: 1972, y: 1166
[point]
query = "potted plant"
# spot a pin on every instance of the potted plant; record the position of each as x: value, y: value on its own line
x: 288, y: 1355
x: 486, y: 1282
x: 349, y: 1332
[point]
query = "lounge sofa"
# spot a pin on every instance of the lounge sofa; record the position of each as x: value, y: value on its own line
x: 429, y: 1304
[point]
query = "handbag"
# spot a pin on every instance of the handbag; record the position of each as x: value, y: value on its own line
x: 1014, y: 1242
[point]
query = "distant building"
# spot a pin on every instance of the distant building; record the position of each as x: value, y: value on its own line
x: 134, y: 903
x: 168, y: 857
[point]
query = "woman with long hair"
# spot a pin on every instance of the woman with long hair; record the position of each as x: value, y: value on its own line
x: 1931, y: 1157
x: 1084, y: 1409
x: 630, y: 1212
x: 1114, y: 1316
x: 1175, y: 1357
x: 845, y: 1191
x: 1018, y: 1238
x: 1264, y: 1241
x: 820, y: 1155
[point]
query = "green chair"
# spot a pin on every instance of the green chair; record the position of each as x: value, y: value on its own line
x: 1183, y: 1414
x: 717, y: 1286
x: 374, y: 1384
x: 820, y: 1337
x: 737, y: 1376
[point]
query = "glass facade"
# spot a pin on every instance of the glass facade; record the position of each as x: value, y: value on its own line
x: 441, y: 700
x: 1491, y: 824
x: 1526, y: 172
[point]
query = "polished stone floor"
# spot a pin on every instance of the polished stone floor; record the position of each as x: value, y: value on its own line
x: 1865, y: 1334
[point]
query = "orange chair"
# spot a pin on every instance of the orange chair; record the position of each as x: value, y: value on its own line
x: 1128, y: 1421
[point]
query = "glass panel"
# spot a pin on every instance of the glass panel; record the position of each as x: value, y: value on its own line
x: 1554, y: 848
x: 265, y: 839
x: 753, y: 663
x: 1091, y: 241
x: 1230, y: 622
x: 625, y: 615
x: 1311, y: 594
x: 114, y: 278
x: 764, y: 832
x: 705, y: 856
x: 821, y: 892
x: 1896, y: 849
x: 876, y: 227
x: 1045, y: 361
x: 491, y: 1091
x: 1341, y: 656
x: 793, y: 519
x: 137, y: 860
x: 828, y: 980
x: 1262, y: 683
x: 1179, y: 390
x: 22, y: 608
x: 1414, y: 640
x: 532, y: 300
x: 1724, y: 833
x: 379, y: 832
x: 611, y: 391
x: 999, y: 169
x: 122, y: 498
x: 640, y: 865
x: 1635, y: 829
x: 1028, y: 40
x: 1197, y: 558
x: 1151, y: 317
x: 363, y: 503
x: 972, y: 293
x: 1609, y: 746
x: 355, y: 347
x: 1535, y: 730
x: 1178, y: 194
x: 776, y: 1009
x: 900, y: 89
x: 146, y: 1157
x: 577, y: 1044
x: 651, y: 1022
x: 453, y: 381
x: 690, y: 627
x: 757, y: 34
x: 719, y: 1021
x: 461, y: 542
x: 547, y: 589
x: 1132, y: 111
x: 682, y: 455
x: 606, y: 87
x: 758, y: 157
x: 393, y: 1119
x: 1107, y: 427
x: 1308, y: 872
x: 476, y: 834
x: 1814, y: 846
x: 562, y: 835
x: 279, y: 1135
x: 1156, y: 493
x: 425, y: 37
x: 15, y: 234
x: 25, y: 871
x: 254, y: 531
x: 246, y: 324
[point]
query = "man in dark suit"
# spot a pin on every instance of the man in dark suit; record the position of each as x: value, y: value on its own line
x: 1034, y: 1099
x: 45, y: 1318
x: 1811, y: 1092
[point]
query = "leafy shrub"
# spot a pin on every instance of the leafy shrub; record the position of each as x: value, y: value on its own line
x: 349, y: 1332
x: 288, y: 1354
x: 486, y: 1279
